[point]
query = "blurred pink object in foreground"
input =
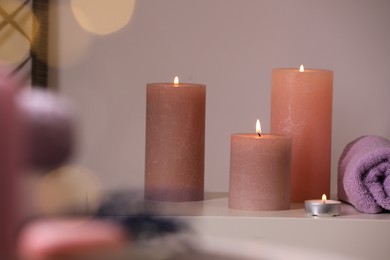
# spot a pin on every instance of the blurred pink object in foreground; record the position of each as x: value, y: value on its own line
x: 50, y: 128
x: 67, y: 238
x: 11, y: 159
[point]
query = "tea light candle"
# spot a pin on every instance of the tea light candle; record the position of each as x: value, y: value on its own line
x: 323, y: 207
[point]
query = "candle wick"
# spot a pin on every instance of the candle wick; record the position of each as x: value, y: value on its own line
x: 259, y: 134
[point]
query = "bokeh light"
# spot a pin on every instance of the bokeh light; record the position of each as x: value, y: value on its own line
x: 16, y: 32
x: 69, y: 189
x: 70, y: 44
x: 101, y: 16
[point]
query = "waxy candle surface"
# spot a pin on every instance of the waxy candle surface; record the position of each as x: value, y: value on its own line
x: 175, y: 138
x: 260, y: 172
x: 301, y: 107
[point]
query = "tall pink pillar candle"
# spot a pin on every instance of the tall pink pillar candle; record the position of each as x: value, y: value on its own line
x: 301, y: 106
x: 175, y: 139
x: 260, y: 172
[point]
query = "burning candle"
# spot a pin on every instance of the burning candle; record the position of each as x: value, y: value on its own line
x: 301, y: 107
x: 259, y: 171
x: 323, y: 207
x: 175, y: 137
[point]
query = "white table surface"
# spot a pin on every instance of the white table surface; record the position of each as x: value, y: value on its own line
x: 351, y: 235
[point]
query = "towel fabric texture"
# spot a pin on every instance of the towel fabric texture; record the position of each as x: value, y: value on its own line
x: 364, y: 174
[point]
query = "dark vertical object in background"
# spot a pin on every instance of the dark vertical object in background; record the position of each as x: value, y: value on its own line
x: 39, y: 48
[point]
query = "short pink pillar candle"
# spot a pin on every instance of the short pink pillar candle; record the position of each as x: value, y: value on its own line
x: 175, y: 139
x: 301, y: 107
x: 260, y: 172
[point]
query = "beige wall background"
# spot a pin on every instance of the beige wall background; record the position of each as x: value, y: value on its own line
x: 231, y: 46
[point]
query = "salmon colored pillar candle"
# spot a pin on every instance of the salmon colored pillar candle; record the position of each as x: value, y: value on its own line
x: 11, y: 147
x: 175, y: 139
x: 260, y: 172
x: 301, y: 106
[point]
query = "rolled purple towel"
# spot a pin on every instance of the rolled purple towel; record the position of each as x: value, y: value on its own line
x: 364, y: 174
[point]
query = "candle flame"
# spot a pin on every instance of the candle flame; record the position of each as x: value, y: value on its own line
x: 176, y: 81
x: 301, y: 68
x: 258, y: 127
x: 323, y: 198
